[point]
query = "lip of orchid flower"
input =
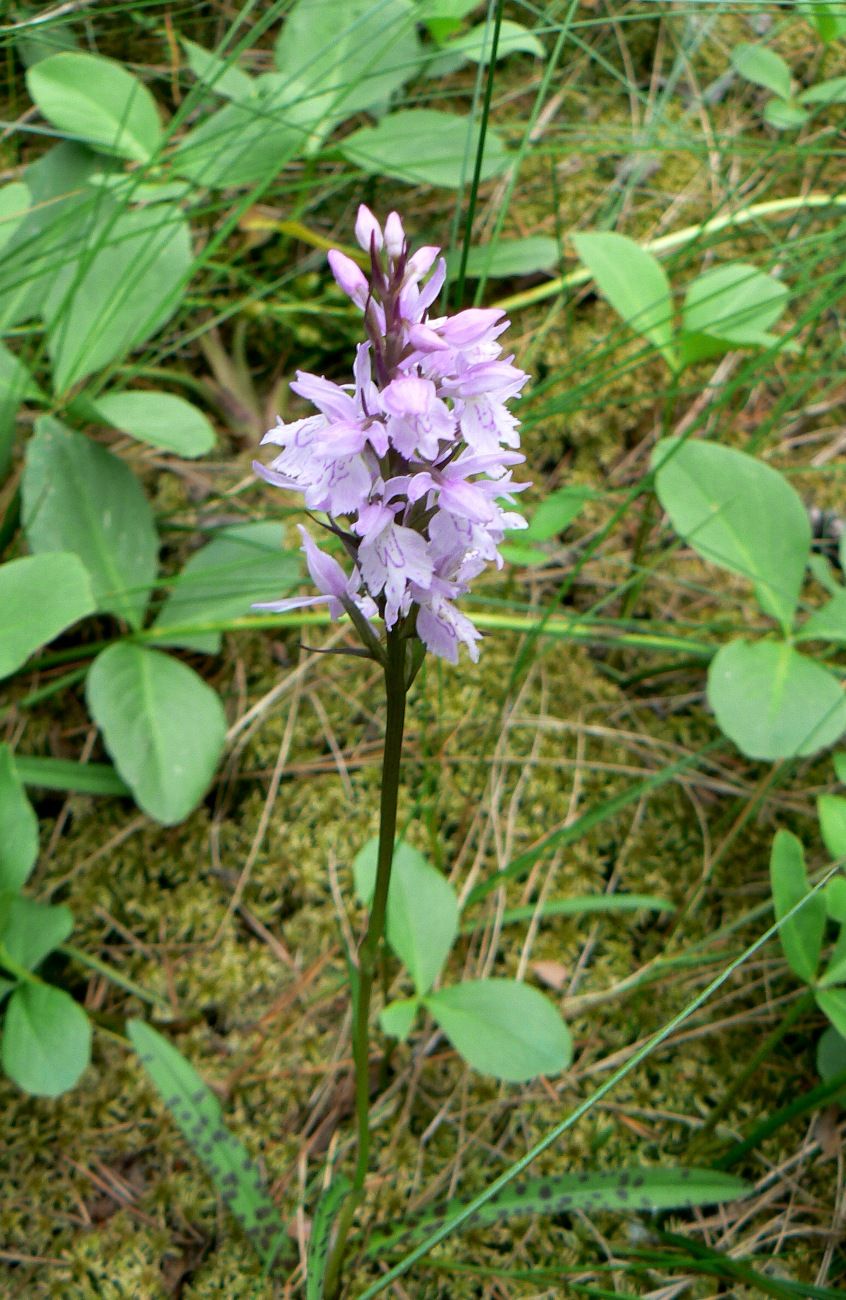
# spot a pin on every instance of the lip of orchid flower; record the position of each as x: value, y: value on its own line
x: 412, y: 461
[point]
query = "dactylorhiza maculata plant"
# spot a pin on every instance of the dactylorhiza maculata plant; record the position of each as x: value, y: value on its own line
x: 410, y: 464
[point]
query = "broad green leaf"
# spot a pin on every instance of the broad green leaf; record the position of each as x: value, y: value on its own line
x: 32, y: 930
x: 762, y: 66
x: 831, y: 810
x: 835, y: 967
x: 46, y: 1040
x: 829, y: 19
x: 41, y: 596
x: 443, y: 17
x: 423, y: 146
x: 18, y: 826
x: 397, y: 1018
x: 825, y: 92
x: 15, y: 201
x: 249, y: 141
x: 62, y: 215
x: 634, y: 282
x: 79, y: 497
x: 831, y: 1054
x: 163, y: 726
x: 162, y: 419
x: 734, y: 302
x: 243, y: 564
x: 832, y: 1003
x: 633, y: 1190
x: 785, y: 114
x: 475, y: 46
x: 773, y: 702
x: 828, y: 623
x: 503, y: 1028
x: 801, y: 935
x: 526, y: 557
x: 557, y: 511
x: 422, y: 919
x: 221, y: 74
x: 16, y: 385
x: 348, y: 55
x: 196, y: 1110
x: 737, y: 512
x: 509, y: 258
x: 835, y: 899
x: 98, y: 101
x: 64, y: 774
x: 116, y: 290
x: 320, y: 1237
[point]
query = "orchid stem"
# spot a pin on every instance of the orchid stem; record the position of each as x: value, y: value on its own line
x: 368, y: 952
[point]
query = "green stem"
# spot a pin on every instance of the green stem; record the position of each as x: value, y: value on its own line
x: 368, y: 952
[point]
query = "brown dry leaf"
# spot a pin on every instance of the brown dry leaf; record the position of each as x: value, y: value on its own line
x: 551, y: 973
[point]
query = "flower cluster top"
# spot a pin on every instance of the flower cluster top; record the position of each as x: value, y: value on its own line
x: 412, y: 461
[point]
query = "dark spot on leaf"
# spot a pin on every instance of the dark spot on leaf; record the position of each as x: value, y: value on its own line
x: 545, y: 1192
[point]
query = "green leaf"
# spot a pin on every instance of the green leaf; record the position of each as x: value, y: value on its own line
x: 831, y: 1054
x: 60, y: 219
x: 828, y: 623
x: 116, y: 290
x: 832, y: 1003
x: 835, y: 969
x: 785, y: 114
x: 162, y: 419
x: 736, y: 303
x: 163, y: 726
x: 250, y: 141
x: 79, y: 497
x: 222, y: 75
x: 197, y: 1112
x: 475, y: 46
x: 737, y: 512
x: 46, y: 1040
x: 829, y: 19
x: 835, y: 899
x: 15, y: 201
x: 526, y: 557
x: 762, y: 66
x: 41, y: 596
x: 557, y: 512
x: 839, y: 761
x: 32, y: 930
x: 422, y: 146
x: 397, y: 1018
x: 320, y: 1237
x: 635, y: 283
x: 626, y: 1191
x: 99, y: 101
x: 773, y: 702
x: 801, y: 935
x: 832, y: 91
x: 348, y: 55
x: 510, y: 258
x: 243, y: 564
x: 443, y: 17
x: 18, y: 825
x: 831, y: 810
x: 503, y: 1028
x: 422, y: 918
x: 586, y: 905
x: 64, y: 774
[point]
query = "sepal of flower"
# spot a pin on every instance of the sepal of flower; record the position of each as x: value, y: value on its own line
x: 412, y: 460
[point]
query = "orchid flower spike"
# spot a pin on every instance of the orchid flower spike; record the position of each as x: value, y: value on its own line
x: 411, y: 461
